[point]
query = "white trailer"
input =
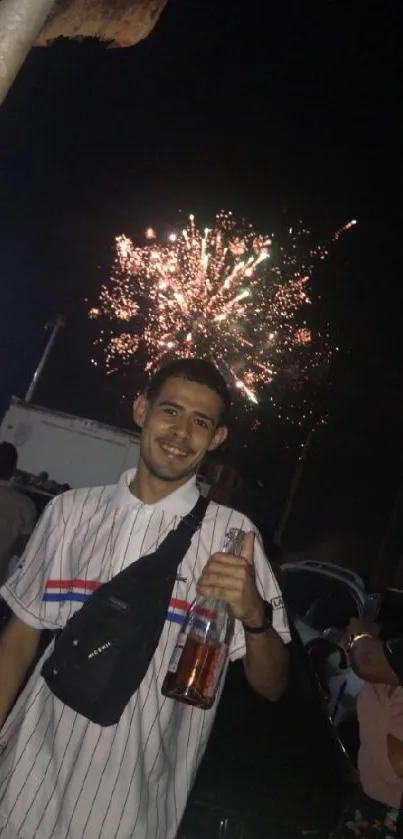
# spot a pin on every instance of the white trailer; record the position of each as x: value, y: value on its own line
x: 72, y: 450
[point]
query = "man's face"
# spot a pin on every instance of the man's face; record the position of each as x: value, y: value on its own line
x: 178, y: 428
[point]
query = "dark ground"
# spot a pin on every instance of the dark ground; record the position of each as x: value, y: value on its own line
x: 270, y: 771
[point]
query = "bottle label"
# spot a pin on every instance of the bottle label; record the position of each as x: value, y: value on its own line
x: 216, y: 672
x: 176, y: 655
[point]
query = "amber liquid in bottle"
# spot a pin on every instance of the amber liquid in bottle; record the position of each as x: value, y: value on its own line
x: 199, y: 669
x: 200, y: 655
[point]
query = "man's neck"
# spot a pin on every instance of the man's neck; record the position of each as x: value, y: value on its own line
x: 150, y: 489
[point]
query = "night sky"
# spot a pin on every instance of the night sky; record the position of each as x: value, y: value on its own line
x: 276, y: 110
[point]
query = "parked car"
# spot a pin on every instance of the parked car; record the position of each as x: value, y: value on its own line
x: 321, y: 600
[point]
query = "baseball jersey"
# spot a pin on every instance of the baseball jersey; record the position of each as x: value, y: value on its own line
x: 61, y: 775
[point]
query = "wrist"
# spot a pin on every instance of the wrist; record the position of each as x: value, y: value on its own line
x: 255, y: 618
x: 262, y: 619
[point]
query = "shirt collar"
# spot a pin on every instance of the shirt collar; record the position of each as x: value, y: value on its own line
x: 177, y: 503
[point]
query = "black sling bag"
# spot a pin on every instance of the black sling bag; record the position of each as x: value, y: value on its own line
x: 102, y: 655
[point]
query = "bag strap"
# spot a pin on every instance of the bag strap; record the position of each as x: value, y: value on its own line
x: 177, y: 542
x: 194, y: 519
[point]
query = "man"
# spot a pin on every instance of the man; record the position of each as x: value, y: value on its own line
x: 17, y: 511
x: 61, y: 775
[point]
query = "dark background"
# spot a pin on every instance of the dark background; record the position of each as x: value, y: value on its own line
x: 276, y: 110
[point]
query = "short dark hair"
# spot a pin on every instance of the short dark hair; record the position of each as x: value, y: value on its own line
x: 8, y: 461
x: 197, y: 370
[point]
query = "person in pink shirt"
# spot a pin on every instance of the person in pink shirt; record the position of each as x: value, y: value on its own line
x: 375, y: 808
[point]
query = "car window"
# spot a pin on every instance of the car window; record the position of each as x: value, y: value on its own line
x: 319, y: 599
x: 301, y: 588
x: 335, y: 609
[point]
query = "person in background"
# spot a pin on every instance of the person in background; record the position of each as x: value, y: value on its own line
x: 17, y: 511
x: 375, y: 809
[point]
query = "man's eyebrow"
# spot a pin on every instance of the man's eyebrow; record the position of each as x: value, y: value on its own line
x: 169, y: 404
x: 201, y: 414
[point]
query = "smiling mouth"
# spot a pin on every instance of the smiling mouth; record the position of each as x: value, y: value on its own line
x: 174, y: 450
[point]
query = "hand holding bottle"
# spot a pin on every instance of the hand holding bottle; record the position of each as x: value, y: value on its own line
x: 201, y: 652
x: 232, y: 579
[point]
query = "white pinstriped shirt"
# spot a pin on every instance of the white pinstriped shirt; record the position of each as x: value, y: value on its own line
x: 62, y: 776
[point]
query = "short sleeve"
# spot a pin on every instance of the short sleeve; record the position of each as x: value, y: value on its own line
x: 269, y: 589
x: 24, y: 590
x: 395, y: 726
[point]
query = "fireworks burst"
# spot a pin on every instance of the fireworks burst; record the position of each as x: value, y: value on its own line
x: 226, y: 293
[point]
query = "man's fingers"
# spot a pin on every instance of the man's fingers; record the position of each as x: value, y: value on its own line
x: 226, y: 563
x: 247, y: 553
x: 217, y: 578
x: 248, y: 547
x: 217, y: 592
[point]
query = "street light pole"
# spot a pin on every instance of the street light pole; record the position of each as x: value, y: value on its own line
x: 294, y: 486
x: 20, y: 24
x: 56, y: 326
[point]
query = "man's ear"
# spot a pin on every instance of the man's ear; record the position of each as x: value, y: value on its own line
x: 220, y: 435
x: 140, y: 410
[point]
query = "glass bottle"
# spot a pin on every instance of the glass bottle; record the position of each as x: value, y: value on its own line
x: 201, y: 651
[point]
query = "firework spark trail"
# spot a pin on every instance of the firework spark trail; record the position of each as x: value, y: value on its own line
x: 227, y: 293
